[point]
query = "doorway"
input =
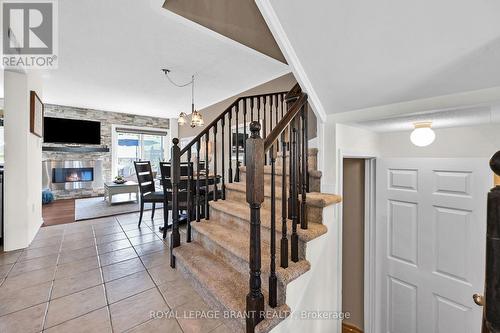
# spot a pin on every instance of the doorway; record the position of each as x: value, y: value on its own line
x: 353, y: 247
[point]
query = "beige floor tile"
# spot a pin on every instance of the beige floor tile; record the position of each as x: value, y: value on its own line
x: 169, y: 325
x: 97, y: 321
x: 9, y: 257
x: 76, y: 245
x: 127, y: 286
x: 113, y: 246
x: 110, y: 238
x: 147, y: 248
x: 117, y: 256
x: 121, y: 269
x: 133, y: 226
x: 108, y: 230
x: 50, y: 241
x: 189, y: 322
x: 29, y: 254
x: 77, y: 255
x: 4, y: 269
x: 15, y: 300
x: 144, y: 230
x: 75, y: 305
x: 156, y: 258
x: 136, y: 310
x: 164, y: 273
x: 29, y: 320
x: 28, y: 279
x: 79, y: 282
x: 222, y: 329
x: 178, y: 292
x: 77, y: 236
x: 148, y: 238
x: 34, y: 264
x: 77, y: 267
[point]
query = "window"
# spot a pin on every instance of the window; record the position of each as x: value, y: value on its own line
x: 136, y: 145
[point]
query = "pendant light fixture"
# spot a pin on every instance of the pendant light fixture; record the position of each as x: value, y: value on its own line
x: 196, y: 117
x: 422, y: 135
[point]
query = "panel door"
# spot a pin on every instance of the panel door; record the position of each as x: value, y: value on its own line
x: 430, y: 244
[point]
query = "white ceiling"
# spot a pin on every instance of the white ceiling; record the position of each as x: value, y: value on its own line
x: 111, y: 53
x: 359, y: 54
x: 454, y: 117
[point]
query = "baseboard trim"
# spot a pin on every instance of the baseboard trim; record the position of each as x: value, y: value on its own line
x: 350, y: 328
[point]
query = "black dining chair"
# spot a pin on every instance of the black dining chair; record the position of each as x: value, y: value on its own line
x: 183, y: 191
x: 147, y: 188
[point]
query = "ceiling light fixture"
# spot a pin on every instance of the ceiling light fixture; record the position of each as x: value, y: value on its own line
x: 422, y: 135
x: 196, y: 117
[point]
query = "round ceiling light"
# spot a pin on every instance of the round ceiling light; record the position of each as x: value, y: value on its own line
x: 422, y: 135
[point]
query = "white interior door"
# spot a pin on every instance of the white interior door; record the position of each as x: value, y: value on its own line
x: 430, y: 244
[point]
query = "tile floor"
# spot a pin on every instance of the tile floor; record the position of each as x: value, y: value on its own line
x: 102, y: 275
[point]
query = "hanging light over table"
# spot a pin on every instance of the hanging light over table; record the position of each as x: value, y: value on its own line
x: 196, y: 117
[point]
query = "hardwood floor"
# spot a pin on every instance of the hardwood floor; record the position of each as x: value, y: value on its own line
x: 59, y: 212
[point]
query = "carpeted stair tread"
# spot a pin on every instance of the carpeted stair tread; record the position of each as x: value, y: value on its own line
x: 242, y: 211
x: 237, y: 243
x: 314, y: 199
x: 223, y: 284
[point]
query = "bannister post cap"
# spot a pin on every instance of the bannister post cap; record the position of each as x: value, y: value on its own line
x: 175, y: 141
x: 255, y: 128
x: 495, y: 163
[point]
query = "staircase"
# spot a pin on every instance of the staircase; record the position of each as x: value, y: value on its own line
x: 254, y: 223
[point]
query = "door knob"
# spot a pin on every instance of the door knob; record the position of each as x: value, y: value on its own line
x: 478, y: 299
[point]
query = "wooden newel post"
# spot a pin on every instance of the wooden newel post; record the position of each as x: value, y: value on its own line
x: 255, y: 197
x: 492, y: 282
x: 175, y: 176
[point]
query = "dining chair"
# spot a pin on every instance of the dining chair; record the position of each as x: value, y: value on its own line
x: 147, y: 188
x: 183, y: 193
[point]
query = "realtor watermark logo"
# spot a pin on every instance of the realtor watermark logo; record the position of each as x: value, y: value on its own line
x: 29, y: 34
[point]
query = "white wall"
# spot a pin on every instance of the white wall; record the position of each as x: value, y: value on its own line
x: 471, y: 141
x: 23, y: 163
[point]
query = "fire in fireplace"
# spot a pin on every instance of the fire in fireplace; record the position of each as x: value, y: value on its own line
x: 70, y: 175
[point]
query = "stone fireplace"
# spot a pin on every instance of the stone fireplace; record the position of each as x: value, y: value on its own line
x: 73, y: 178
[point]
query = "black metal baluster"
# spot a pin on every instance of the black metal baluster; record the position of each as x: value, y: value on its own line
x: 189, y: 180
x: 198, y: 204
x: 255, y: 197
x: 223, y: 159
x: 284, y: 217
x: 258, y: 110
x: 264, y: 124
x: 303, y: 182
x: 207, y: 168
x: 245, y: 131
x: 237, y: 173
x: 306, y: 126
x: 294, y: 194
x: 215, y: 162
x: 230, y: 146
x: 273, y: 281
x: 251, y: 109
x: 175, y: 237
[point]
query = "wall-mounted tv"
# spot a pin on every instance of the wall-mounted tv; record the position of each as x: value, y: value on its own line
x: 60, y: 130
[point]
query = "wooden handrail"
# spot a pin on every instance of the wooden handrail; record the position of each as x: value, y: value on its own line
x: 223, y: 114
x: 283, y: 124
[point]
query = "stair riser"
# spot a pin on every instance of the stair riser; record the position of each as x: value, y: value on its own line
x: 238, y: 263
x: 312, y: 160
x: 314, y: 182
x: 265, y: 234
x: 314, y: 214
x: 236, y: 324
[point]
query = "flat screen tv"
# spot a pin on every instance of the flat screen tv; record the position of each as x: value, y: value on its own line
x: 60, y: 130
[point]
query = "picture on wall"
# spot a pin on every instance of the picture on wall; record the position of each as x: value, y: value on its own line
x: 36, y: 114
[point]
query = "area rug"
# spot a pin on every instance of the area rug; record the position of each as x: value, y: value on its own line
x: 91, y: 208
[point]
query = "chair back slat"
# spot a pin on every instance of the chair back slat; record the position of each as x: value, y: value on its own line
x: 144, y: 176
